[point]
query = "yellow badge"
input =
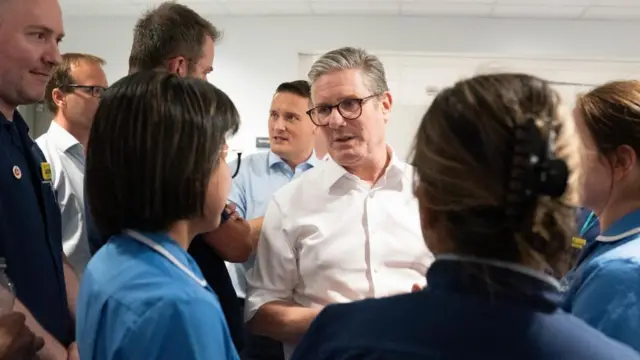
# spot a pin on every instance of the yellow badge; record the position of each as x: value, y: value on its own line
x: 46, y: 171
x: 578, y: 243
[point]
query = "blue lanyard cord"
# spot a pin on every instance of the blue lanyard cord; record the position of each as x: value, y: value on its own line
x: 589, y: 224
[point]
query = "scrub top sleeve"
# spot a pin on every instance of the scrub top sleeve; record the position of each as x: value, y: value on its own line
x: 193, y: 329
x: 608, y: 300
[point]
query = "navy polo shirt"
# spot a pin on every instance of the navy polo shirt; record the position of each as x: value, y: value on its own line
x: 30, y: 230
x: 461, y: 315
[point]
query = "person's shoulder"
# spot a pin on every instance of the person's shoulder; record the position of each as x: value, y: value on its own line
x: 259, y: 159
x: 575, y: 338
x: 43, y: 141
x: 620, y: 265
x: 300, y: 187
x: 351, y: 318
x: 332, y: 332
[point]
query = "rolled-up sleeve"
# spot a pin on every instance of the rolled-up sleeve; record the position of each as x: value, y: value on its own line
x: 275, y: 273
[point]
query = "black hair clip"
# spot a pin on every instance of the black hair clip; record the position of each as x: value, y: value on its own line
x: 534, y: 169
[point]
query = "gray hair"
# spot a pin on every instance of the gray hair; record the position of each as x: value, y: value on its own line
x: 352, y: 58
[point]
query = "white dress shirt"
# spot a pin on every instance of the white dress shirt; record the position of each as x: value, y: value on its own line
x: 329, y: 237
x: 66, y: 157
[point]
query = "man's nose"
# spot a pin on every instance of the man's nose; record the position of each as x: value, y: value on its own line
x: 279, y: 124
x: 52, y: 55
x: 336, y: 120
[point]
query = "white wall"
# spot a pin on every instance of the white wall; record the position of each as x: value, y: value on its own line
x: 258, y: 53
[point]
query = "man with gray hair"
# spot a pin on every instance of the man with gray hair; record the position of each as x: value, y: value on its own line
x: 349, y: 229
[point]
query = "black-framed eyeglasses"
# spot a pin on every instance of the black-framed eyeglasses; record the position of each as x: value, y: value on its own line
x: 95, y: 91
x: 349, y: 109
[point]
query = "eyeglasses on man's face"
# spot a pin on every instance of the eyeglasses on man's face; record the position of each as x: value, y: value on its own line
x: 95, y: 91
x: 349, y: 109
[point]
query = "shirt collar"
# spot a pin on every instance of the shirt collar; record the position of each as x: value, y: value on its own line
x: 17, y: 120
x: 61, y: 138
x: 334, y: 171
x: 622, y: 228
x: 493, y: 279
x: 274, y: 159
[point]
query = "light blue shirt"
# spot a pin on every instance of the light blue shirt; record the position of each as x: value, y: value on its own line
x: 136, y: 304
x: 260, y: 176
x: 604, y: 288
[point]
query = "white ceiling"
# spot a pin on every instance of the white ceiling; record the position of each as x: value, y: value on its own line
x: 541, y: 9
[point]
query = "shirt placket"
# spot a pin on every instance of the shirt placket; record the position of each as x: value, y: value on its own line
x: 375, y: 253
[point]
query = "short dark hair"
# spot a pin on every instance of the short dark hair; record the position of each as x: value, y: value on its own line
x: 168, y: 31
x: 301, y: 88
x: 154, y: 142
x: 62, y: 78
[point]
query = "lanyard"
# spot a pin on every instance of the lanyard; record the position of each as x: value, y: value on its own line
x: 588, y: 224
x: 167, y: 255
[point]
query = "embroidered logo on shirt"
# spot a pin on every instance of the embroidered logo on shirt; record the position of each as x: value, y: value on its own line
x: 46, y: 171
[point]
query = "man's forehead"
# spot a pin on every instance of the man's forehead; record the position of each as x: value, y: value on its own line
x: 42, y: 14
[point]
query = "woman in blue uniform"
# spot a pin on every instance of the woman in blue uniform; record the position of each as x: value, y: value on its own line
x: 605, y: 285
x: 490, y: 193
x: 156, y: 176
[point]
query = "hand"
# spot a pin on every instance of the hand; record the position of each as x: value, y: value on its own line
x: 72, y: 352
x: 231, y: 240
x: 16, y: 339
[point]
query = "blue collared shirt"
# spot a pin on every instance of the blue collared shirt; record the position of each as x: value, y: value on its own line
x: 135, y: 304
x: 260, y: 176
x: 605, y: 285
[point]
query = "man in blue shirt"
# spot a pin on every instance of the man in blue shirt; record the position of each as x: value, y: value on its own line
x: 30, y: 228
x: 153, y: 48
x: 291, y: 137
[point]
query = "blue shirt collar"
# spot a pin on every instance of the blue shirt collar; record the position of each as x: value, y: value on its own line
x: 622, y: 228
x: 274, y: 159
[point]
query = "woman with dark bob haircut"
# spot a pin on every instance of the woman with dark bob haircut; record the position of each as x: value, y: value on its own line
x: 492, y: 196
x: 155, y: 177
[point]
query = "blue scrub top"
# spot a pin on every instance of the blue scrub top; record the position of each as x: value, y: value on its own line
x: 460, y: 316
x: 211, y: 265
x: 30, y: 230
x: 605, y: 285
x: 136, y: 304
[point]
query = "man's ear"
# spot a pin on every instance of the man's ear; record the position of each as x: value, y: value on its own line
x: 58, y: 98
x: 179, y: 65
x: 387, y: 103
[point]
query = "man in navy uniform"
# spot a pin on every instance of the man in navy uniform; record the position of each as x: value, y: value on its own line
x: 30, y: 229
